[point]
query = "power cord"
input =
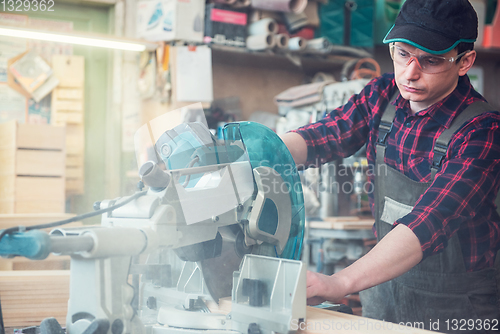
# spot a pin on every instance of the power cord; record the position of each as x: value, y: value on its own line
x: 14, y: 229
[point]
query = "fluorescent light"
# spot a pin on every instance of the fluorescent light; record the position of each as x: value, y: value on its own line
x: 97, y: 41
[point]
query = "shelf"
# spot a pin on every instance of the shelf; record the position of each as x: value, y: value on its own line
x: 227, y: 55
x: 488, y: 53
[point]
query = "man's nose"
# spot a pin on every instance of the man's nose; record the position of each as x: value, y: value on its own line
x: 413, y: 69
x: 413, y: 58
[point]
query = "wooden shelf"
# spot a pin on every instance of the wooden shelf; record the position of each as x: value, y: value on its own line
x: 343, y: 223
x: 488, y: 53
x: 29, y: 219
x: 307, y: 62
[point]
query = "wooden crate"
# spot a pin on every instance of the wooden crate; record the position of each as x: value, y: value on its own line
x: 32, y: 172
x: 68, y: 109
x: 52, y: 262
x: 28, y: 297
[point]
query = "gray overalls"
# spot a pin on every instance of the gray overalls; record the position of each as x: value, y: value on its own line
x: 438, y: 288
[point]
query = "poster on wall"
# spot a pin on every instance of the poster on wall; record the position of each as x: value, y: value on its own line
x: 39, y: 112
x: 10, y: 47
x: 12, y: 105
x: 47, y: 49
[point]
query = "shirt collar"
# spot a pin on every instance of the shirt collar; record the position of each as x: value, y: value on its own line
x: 448, y: 108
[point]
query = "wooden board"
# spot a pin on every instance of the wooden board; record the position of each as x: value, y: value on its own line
x: 40, y: 136
x: 8, y: 159
x: 343, y: 223
x: 69, y: 105
x: 40, y: 162
x: 75, y: 163
x: 31, y: 136
x: 74, y: 172
x: 70, y: 93
x: 28, y: 297
x: 30, y: 219
x: 70, y: 70
x: 32, y: 172
x: 52, y: 262
x: 75, y: 186
x: 68, y: 108
x: 325, y: 321
x: 75, y: 139
x: 64, y: 117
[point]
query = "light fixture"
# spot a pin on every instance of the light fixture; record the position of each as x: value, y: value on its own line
x: 79, y: 39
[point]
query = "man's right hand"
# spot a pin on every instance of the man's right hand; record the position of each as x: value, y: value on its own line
x: 321, y: 287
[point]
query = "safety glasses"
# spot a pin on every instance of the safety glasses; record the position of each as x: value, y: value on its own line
x: 427, y: 63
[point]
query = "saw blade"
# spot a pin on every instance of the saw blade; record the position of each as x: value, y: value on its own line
x: 218, y: 271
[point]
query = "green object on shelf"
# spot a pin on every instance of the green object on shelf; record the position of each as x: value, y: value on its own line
x: 385, y: 14
x: 491, y: 8
x: 347, y: 22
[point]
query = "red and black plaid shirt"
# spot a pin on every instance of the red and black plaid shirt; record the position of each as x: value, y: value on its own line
x: 462, y: 195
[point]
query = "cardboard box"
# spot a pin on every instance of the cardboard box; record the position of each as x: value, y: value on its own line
x: 168, y: 20
x: 226, y: 25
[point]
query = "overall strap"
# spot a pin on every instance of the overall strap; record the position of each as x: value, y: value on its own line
x: 441, y: 147
x: 385, y: 127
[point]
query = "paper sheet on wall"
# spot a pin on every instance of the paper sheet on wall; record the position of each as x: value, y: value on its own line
x: 12, y: 105
x: 193, y: 68
x: 47, y: 49
x: 10, y: 47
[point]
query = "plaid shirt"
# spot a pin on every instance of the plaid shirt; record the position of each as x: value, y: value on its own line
x: 462, y: 195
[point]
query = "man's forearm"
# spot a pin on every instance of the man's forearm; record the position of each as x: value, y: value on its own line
x: 297, y: 147
x: 394, y: 255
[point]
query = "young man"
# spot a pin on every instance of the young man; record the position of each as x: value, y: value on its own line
x: 436, y: 221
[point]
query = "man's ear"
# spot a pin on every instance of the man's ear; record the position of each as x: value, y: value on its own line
x: 466, y: 62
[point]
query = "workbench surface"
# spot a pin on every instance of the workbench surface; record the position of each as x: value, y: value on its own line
x: 325, y: 321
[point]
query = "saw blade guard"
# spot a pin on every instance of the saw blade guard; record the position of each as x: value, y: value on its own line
x: 214, y: 177
x: 266, y: 149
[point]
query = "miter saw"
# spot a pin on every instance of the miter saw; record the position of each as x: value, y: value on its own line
x: 219, y: 219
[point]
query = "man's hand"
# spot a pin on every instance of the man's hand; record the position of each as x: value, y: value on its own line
x: 394, y: 255
x: 322, y: 287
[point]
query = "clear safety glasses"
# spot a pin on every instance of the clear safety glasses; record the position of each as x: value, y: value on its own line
x: 427, y: 63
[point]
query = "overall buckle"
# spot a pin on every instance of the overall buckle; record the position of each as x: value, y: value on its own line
x: 439, y: 154
x: 383, y: 132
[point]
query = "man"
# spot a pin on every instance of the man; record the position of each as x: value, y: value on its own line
x: 436, y: 221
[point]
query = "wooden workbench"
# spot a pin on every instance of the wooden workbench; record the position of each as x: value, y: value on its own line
x: 28, y: 297
x: 324, y: 321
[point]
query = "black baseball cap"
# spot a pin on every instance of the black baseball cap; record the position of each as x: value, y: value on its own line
x: 434, y: 26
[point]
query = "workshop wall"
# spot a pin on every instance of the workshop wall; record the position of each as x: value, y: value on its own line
x: 124, y: 90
